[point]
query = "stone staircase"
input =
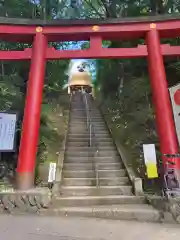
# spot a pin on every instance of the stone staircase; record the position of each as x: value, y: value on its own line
x: 79, y: 194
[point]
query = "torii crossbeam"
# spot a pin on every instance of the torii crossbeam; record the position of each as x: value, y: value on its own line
x: 41, y: 32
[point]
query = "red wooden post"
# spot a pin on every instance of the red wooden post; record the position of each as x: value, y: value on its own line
x: 31, y: 122
x: 161, y: 98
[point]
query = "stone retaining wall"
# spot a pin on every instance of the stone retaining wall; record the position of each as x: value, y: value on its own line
x: 32, y: 201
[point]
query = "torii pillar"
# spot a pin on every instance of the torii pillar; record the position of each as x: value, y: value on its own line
x: 32, y: 112
x: 161, y: 99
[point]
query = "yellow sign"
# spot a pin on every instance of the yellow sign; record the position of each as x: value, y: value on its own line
x: 152, y: 25
x: 39, y: 29
x: 95, y: 28
x: 152, y: 171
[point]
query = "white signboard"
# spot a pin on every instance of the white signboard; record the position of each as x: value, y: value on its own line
x: 150, y: 160
x: 7, y: 131
x: 149, y: 153
x: 52, y: 172
x: 175, y: 100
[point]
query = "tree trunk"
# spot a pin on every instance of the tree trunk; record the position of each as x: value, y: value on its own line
x: 44, y: 10
x: 153, y: 7
x: 157, y: 7
x: 2, y: 69
x: 110, y: 8
x: 160, y: 7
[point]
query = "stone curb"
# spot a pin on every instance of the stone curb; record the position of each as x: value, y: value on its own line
x: 165, y: 206
x: 60, y: 161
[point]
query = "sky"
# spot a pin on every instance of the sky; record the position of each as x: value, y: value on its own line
x: 76, y: 62
x: 91, y: 63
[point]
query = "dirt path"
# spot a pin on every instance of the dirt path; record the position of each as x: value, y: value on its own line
x: 52, y: 228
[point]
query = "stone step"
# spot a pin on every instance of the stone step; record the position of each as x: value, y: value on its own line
x: 86, y: 159
x: 77, y: 117
x: 119, y: 181
x: 96, y: 114
x: 75, y: 109
x: 79, y: 129
x: 86, y: 144
x: 97, y: 200
x: 79, y: 124
x: 84, y: 149
x: 5, y: 185
x: 86, y: 135
x: 76, y: 132
x: 88, y: 154
x: 95, y: 191
x: 90, y: 166
x: 73, y: 117
x: 84, y: 118
x: 78, y: 106
x: 91, y: 173
x: 78, y: 109
x: 77, y: 144
x: 78, y: 113
x: 77, y: 121
x: 135, y: 212
x: 82, y: 126
x: 95, y: 111
x: 101, y: 131
x: 82, y: 130
x: 102, y: 127
x: 84, y: 121
x: 86, y: 139
x: 97, y: 125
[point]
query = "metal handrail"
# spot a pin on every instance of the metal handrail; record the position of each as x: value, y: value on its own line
x: 92, y: 137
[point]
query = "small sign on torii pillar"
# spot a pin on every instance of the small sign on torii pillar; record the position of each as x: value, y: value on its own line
x: 175, y: 100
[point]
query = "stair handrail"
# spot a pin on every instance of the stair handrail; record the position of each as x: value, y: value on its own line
x: 92, y: 137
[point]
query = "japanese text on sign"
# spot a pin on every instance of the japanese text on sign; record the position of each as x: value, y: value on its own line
x: 7, y: 131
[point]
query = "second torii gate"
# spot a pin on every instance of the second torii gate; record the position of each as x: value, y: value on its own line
x: 40, y: 33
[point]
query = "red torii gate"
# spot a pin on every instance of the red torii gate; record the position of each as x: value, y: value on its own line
x: 40, y: 33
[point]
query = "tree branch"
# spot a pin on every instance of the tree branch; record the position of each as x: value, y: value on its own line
x: 101, y: 4
x: 91, y: 5
x: 160, y: 6
x: 108, y: 13
x: 153, y: 7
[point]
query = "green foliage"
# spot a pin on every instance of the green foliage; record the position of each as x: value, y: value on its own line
x: 17, y: 8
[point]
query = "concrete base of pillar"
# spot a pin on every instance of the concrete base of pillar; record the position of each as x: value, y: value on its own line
x: 24, y: 180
